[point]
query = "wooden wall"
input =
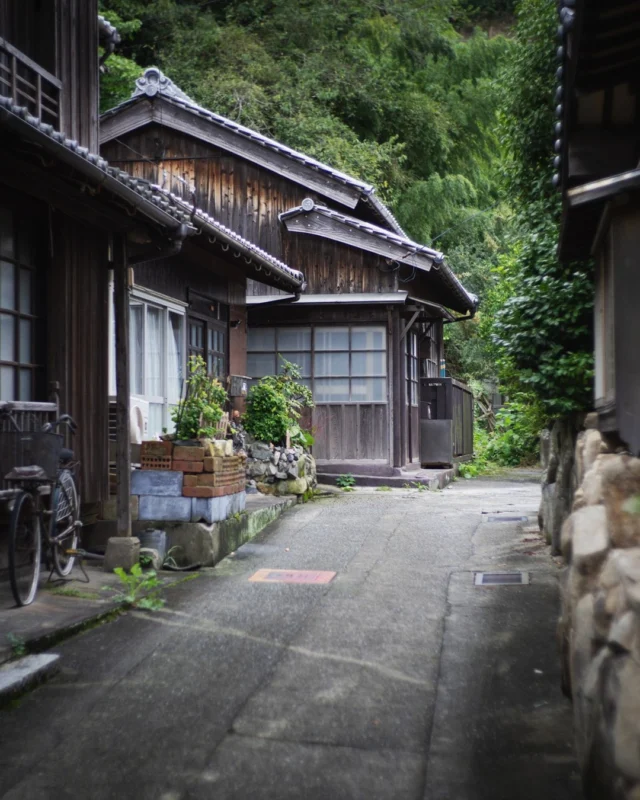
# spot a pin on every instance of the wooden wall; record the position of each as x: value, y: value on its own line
x: 78, y: 343
x: 625, y: 234
x: 351, y: 431
x: 248, y: 199
x: 62, y: 37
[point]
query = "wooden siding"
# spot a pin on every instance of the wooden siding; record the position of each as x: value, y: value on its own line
x: 62, y: 37
x: 78, y: 344
x: 78, y: 70
x: 625, y: 234
x: 174, y: 277
x: 248, y: 199
x: 351, y: 431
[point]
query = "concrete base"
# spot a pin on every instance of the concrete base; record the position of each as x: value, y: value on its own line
x: 122, y: 551
x: 432, y: 478
x: 206, y: 544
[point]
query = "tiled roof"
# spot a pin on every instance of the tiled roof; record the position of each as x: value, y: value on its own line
x: 154, y: 83
x: 435, y: 256
x: 146, y: 196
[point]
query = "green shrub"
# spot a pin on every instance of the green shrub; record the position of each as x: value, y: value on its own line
x: 267, y: 417
x: 273, y: 407
x: 200, y: 411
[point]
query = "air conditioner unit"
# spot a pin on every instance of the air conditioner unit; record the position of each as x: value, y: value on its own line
x: 138, y: 419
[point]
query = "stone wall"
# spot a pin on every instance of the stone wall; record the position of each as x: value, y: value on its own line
x: 279, y: 470
x: 599, y: 626
x: 559, y: 480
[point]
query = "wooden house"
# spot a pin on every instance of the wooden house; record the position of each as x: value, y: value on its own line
x: 69, y: 220
x: 368, y: 328
x: 598, y: 172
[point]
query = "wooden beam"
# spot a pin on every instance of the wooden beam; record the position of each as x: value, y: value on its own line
x: 123, y: 444
x: 207, y: 130
x: 407, y: 327
x: 315, y: 223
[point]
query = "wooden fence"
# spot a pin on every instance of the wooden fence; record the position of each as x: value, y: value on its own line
x: 29, y: 85
x: 449, y: 399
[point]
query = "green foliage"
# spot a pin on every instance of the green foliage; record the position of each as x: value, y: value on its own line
x: 346, y: 482
x: 516, y: 436
x: 383, y: 489
x: 199, y: 412
x: 541, y: 334
x: 138, y: 589
x: 18, y: 645
x: 421, y: 487
x: 274, y: 404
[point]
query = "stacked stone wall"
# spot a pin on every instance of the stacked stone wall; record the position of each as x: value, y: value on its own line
x: 279, y: 470
x: 599, y: 626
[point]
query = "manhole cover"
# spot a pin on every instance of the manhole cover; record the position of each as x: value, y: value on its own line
x: 507, y: 519
x: 501, y: 578
x: 291, y: 576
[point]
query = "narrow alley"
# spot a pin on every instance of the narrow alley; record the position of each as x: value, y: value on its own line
x: 399, y: 678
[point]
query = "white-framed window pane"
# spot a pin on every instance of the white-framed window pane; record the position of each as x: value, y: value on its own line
x: 154, y: 352
x: 174, y: 357
x: 261, y: 364
x: 303, y: 360
x: 261, y: 339
x: 331, y: 390
x: 368, y: 390
x: 368, y: 364
x: 6, y: 233
x: 25, y: 341
x: 7, y: 383
x: 332, y: 339
x: 156, y: 419
x: 294, y: 339
x: 368, y: 339
x: 136, y: 348
x: 331, y: 364
x: 25, y: 291
x: 7, y: 337
x: 7, y: 285
x: 26, y: 387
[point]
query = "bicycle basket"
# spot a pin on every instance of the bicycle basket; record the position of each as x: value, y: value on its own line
x: 30, y: 449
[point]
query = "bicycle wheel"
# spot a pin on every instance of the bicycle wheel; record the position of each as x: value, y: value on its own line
x: 24, y: 549
x: 63, y: 531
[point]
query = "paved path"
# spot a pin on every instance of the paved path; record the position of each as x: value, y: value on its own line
x: 397, y: 680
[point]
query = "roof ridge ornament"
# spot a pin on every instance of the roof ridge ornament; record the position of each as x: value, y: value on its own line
x: 153, y: 81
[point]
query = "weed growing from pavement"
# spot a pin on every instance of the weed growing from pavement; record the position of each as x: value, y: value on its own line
x: 421, y: 487
x: 383, y: 489
x: 18, y: 645
x: 346, y: 482
x: 138, y: 589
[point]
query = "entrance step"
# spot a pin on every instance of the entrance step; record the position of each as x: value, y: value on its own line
x: 433, y: 479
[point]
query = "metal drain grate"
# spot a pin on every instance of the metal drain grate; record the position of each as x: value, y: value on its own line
x: 507, y: 519
x: 501, y: 578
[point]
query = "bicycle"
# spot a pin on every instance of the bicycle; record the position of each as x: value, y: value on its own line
x: 45, y: 469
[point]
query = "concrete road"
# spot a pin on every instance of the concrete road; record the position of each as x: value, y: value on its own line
x: 398, y: 679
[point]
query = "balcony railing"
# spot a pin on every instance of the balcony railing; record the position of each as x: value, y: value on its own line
x: 29, y: 85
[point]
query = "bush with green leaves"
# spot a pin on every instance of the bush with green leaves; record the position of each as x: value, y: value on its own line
x: 274, y: 405
x: 202, y: 408
x: 138, y: 589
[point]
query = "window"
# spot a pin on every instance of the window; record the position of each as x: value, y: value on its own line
x: 156, y: 355
x: 18, y: 362
x: 412, y: 369
x: 208, y: 333
x: 342, y: 364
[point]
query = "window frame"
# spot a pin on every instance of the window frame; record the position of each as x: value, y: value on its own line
x: 17, y: 364
x: 312, y: 352
x: 167, y: 306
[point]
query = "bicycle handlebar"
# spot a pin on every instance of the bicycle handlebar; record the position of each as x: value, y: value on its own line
x: 65, y: 419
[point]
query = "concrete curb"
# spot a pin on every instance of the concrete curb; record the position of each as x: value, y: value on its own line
x: 18, y: 677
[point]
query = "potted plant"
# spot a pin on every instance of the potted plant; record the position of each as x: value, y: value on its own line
x: 199, y: 412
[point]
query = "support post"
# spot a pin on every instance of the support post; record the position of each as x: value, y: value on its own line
x: 123, y: 445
